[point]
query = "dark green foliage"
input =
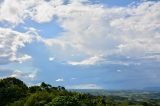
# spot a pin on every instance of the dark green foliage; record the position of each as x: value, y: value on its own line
x: 38, y: 99
x: 60, y: 88
x: 11, y: 89
x: 13, y: 92
x: 64, y: 101
x: 20, y: 102
x: 45, y: 86
x: 11, y: 81
x: 34, y: 89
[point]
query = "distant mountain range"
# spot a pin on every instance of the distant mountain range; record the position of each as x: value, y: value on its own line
x: 152, y: 88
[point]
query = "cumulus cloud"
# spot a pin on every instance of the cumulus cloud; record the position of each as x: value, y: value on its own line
x: 10, y: 42
x: 91, y: 34
x: 14, y: 11
x: 17, y: 11
x: 21, y: 74
x: 89, y: 29
x: 18, y: 74
x: 96, y: 30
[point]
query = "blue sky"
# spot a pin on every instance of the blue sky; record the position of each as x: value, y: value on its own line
x: 84, y: 44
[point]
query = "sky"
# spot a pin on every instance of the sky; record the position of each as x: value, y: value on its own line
x: 81, y: 44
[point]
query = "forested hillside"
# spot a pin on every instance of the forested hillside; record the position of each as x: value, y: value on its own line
x: 13, y: 92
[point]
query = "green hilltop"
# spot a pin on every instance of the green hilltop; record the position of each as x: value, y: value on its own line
x: 14, y: 92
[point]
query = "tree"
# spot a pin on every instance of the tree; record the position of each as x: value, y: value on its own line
x: 38, y: 99
x: 12, y: 81
x: 34, y: 89
x: 124, y: 103
x: 18, y: 103
x: 61, y: 88
x: 109, y: 101
x: 11, y: 89
x: 45, y: 86
x: 64, y: 101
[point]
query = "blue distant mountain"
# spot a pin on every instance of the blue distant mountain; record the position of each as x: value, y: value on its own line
x: 152, y: 88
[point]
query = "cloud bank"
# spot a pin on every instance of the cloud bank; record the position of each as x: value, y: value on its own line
x: 94, y: 30
x: 90, y: 30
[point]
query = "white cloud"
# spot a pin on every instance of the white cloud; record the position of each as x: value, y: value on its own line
x: 25, y: 75
x: 18, y: 74
x: 51, y: 59
x: 41, y: 9
x: 89, y: 61
x: 92, y: 30
x: 14, y: 11
x: 89, y: 29
x: 60, y: 80
x: 24, y: 58
x: 84, y: 86
x: 10, y: 42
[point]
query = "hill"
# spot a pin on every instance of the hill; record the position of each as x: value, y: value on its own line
x: 14, y: 92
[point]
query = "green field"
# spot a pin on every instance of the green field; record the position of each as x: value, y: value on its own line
x: 131, y: 95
